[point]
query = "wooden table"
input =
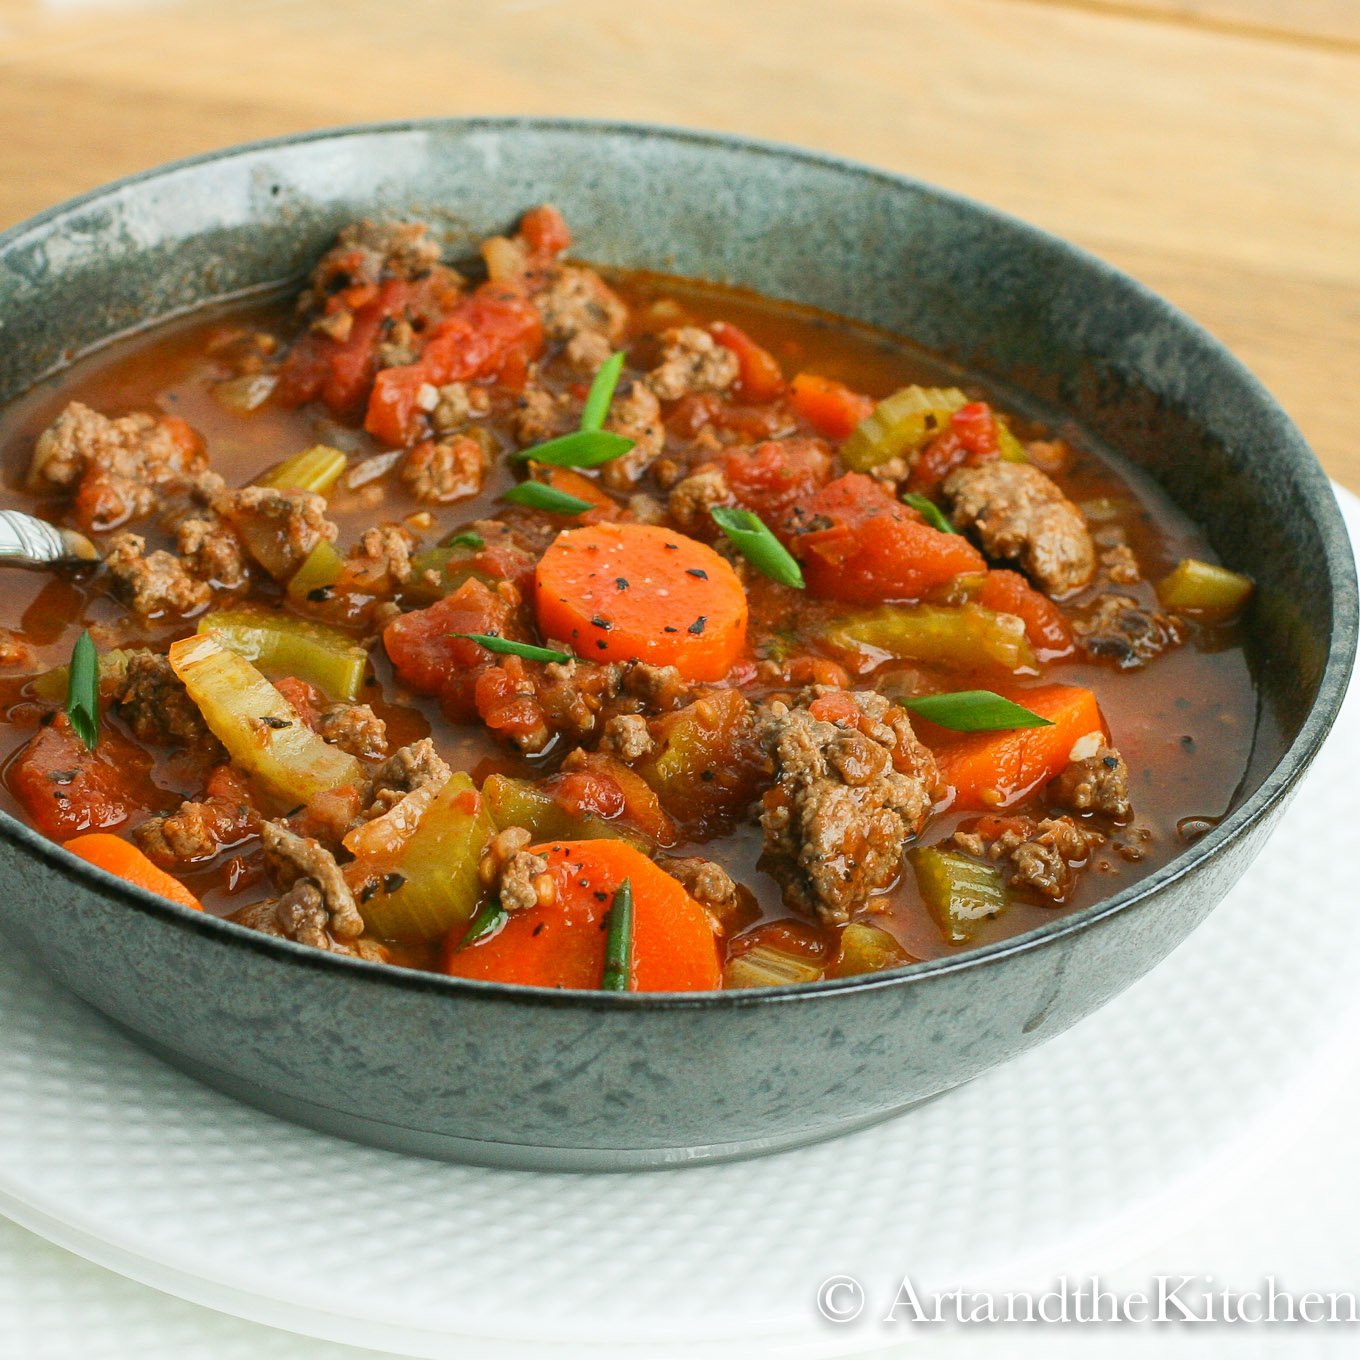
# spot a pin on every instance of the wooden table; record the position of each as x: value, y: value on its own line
x: 1211, y: 147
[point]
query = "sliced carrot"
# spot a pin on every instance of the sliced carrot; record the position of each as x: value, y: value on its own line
x: 830, y: 407
x: 121, y: 858
x: 562, y: 943
x: 760, y: 379
x: 635, y: 592
x: 990, y: 770
x: 1046, y: 625
x: 877, y: 549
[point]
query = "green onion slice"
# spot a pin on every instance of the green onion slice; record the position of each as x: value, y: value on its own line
x: 934, y: 516
x: 601, y: 392
x: 82, y: 690
x: 974, y: 710
x: 509, y: 647
x: 618, y: 944
x: 544, y: 497
x: 467, y: 539
x: 758, y: 545
x: 487, y: 922
x: 583, y: 449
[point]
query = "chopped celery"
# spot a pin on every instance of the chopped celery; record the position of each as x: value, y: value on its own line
x: 259, y: 727
x: 966, y: 636
x: 431, y: 884
x: 1010, y: 448
x: 866, y: 948
x: 900, y: 423
x: 322, y: 567
x: 51, y: 685
x: 958, y: 891
x: 315, y: 469
x: 449, y: 567
x: 763, y: 966
x: 1204, y: 590
x: 520, y: 802
x: 286, y: 645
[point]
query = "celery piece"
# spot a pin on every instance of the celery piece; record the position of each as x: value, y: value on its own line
x: 286, y: 645
x: 321, y: 568
x: 966, y: 636
x: 431, y: 885
x: 867, y: 948
x: 519, y: 802
x: 449, y: 568
x: 900, y: 423
x: 261, y: 730
x: 51, y: 686
x: 1204, y: 590
x: 959, y: 892
x: 762, y: 966
x: 315, y: 469
x: 1009, y: 447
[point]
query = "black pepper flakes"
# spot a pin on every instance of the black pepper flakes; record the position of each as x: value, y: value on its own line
x: 278, y: 724
x: 391, y: 882
x: 598, y: 622
x: 621, y: 582
x: 319, y: 594
x: 697, y: 626
x: 538, y: 928
x: 367, y: 892
x: 697, y: 571
x: 669, y: 629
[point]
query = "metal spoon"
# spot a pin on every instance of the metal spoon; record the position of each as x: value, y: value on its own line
x: 26, y: 541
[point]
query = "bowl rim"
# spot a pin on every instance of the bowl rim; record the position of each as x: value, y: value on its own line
x: 1275, y: 785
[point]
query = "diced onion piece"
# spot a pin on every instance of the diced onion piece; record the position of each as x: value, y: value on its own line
x: 762, y: 966
x: 901, y: 423
x: 316, y: 469
x: 1204, y: 590
x: 866, y: 948
x: 261, y: 730
x: 286, y: 645
x: 959, y: 892
x: 245, y: 394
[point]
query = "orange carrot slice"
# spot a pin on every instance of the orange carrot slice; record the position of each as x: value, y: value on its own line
x: 562, y: 944
x: 989, y: 770
x: 123, y: 859
x: 635, y: 592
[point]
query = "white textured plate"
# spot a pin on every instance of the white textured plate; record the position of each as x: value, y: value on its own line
x: 1099, y: 1136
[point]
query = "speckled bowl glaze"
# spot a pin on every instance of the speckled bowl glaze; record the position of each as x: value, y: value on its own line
x: 572, y: 1080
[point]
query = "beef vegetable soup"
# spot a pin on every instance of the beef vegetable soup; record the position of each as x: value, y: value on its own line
x: 578, y: 629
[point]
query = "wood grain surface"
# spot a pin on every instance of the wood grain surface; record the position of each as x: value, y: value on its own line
x: 1210, y: 147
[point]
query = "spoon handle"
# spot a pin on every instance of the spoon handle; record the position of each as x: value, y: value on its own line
x: 26, y: 541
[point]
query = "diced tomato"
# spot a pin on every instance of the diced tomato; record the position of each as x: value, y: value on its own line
x: 830, y: 407
x: 545, y: 230
x: 304, y: 697
x: 776, y: 475
x: 68, y: 789
x: 876, y: 549
x: 606, y: 787
x: 760, y: 378
x: 503, y: 697
x: 419, y: 643
x: 394, y: 405
x: 1046, y: 625
x: 971, y: 438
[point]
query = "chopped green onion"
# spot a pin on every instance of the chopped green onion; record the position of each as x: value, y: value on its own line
x: 467, y: 539
x: 934, y: 516
x: 758, y: 545
x: 509, y: 647
x: 583, y: 449
x: 82, y: 690
x: 543, y: 497
x: 487, y: 922
x: 974, y: 710
x: 618, y: 945
x: 601, y: 392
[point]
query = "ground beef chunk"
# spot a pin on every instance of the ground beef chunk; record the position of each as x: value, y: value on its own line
x: 153, y: 702
x: 212, y: 552
x: 278, y: 528
x: 456, y: 404
x: 355, y: 728
x: 1018, y: 512
x: 367, y: 252
x: 1116, y: 629
x: 627, y: 737
x: 408, y: 770
x: 577, y: 302
x: 540, y: 415
x: 381, y: 560
x: 117, y: 469
x: 291, y: 859
x: 691, y: 499
x: 692, y: 361
x: 198, y: 830
x: 15, y: 652
x: 711, y: 886
x: 1039, y: 855
x: 300, y: 915
x: 1119, y: 565
x: 439, y: 471
x: 635, y: 414
x: 851, y: 786
x: 516, y: 878
x: 1098, y: 782
x: 153, y: 584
